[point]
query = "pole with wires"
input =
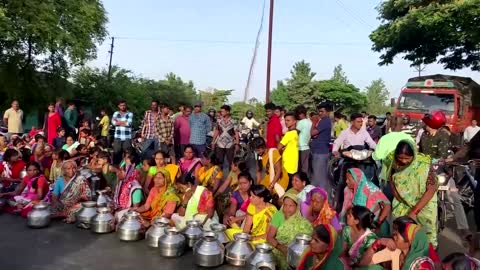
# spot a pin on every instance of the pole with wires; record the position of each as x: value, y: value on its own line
x: 269, y: 55
x: 111, y: 56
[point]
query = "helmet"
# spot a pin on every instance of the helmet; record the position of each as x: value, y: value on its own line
x: 435, y: 119
x: 249, y: 113
x: 212, y: 110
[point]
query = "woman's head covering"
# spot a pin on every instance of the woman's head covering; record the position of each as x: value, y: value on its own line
x: 291, y: 194
x: 166, y: 175
x: 421, y: 254
x: 327, y: 214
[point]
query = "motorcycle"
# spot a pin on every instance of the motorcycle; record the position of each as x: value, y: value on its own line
x: 355, y: 157
x: 246, y: 142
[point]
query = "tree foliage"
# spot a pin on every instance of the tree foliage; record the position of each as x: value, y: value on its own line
x: 377, y: 95
x: 302, y: 88
x: 214, y: 98
x: 425, y: 32
x: 240, y: 108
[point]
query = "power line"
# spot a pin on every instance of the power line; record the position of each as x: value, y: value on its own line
x: 352, y: 13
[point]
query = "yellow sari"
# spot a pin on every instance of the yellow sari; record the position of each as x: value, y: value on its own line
x: 260, y: 221
x: 276, y: 157
x: 208, y: 177
x: 165, y: 195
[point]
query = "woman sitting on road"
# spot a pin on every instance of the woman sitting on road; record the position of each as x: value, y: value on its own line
x: 259, y: 215
x: 189, y: 163
x: 361, y: 191
x: 301, y: 186
x: 318, y: 210
x: 224, y: 192
x: 196, y: 203
x: 58, y: 158
x: 286, y: 224
x: 162, y: 199
x: 325, y: 251
x: 68, y: 193
x: 36, y: 186
x: 161, y: 164
x: 129, y: 192
x: 210, y: 174
x: 239, y: 201
x: 70, y: 145
x: 10, y: 170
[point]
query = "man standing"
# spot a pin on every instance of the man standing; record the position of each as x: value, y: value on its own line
x: 122, y: 120
x: 303, y: 126
x: 372, y: 128
x: 182, y: 130
x: 104, y: 126
x: 471, y: 131
x: 149, y: 124
x: 274, y: 127
x: 165, y: 132
x: 406, y: 127
x: 321, y: 133
x: 225, y: 137
x: 13, y: 118
x: 200, y: 125
x: 71, y: 118
x: 280, y: 112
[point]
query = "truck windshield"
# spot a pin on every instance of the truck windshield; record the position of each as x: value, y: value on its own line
x: 427, y: 102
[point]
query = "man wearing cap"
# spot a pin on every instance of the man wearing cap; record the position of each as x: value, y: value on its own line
x: 200, y: 125
x: 434, y: 142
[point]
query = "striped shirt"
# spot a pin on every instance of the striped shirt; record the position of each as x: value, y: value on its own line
x: 123, y: 133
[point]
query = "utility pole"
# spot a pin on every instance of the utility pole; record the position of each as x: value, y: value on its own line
x: 111, y: 56
x: 269, y: 55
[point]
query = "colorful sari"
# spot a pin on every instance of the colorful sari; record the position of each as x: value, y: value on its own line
x: 327, y: 215
x: 76, y: 191
x: 208, y: 177
x: 421, y: 255
x: 365, y: 194
x: 331, y: 260
x: 359, y: 247
x: 197, y: 208
x: 260, y: 221
x: 409, y: 184
x: 125, y: 189
x: 162, y: 197
x: 189, y: 166
x: 288, y: 229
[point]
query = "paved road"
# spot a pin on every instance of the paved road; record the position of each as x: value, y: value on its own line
x: 63, y: 246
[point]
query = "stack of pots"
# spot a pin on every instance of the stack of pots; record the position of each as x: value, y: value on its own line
x: 103, y: 221
x: 239, y: 250
x: 172, y: 243
x: 86, y: 214
x: 39, y: 217
x: 208, y: 251
x: 193, y: 232
x: 130, y: 227
x: 156, y: 231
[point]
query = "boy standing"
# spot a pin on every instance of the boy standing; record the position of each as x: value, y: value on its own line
x: 59, y: 141
x: 289, y: 146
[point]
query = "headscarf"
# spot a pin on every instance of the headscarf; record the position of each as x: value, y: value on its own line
x: 365, y: 194
x: 124, y: 189
x: 327, y: 215
x: 421, y: 255
x: 166, y: 194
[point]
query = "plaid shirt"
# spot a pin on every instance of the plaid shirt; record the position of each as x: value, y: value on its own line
x: 149, y: 124
x: 164, y: 130
x: 200, y: 125
x: 123, y: 133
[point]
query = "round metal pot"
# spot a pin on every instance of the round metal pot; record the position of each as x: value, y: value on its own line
x: 39, y: 217
x: 208, y: 251
x: 130, y: 227
x: 156, y: 231
x: 103, y: 221
x: 238, y: 250
x: 172, y: 243
x: 86, y: 214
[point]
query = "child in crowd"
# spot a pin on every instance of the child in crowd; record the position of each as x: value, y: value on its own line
x: 59, y: 141
x: 86, y: 138
x: 58, y: 157
x: 289, y: 146
x: 3, y: 146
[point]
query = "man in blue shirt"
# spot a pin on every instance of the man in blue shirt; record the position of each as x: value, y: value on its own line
x: 122, y: 120
x: 200, y: 126
x: 321, y: 132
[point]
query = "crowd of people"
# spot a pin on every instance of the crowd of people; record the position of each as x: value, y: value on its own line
x: 179, y: 175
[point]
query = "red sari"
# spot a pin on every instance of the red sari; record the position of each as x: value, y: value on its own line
x: 52, y: 122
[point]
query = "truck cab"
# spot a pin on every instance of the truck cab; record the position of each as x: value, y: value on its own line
x: 457, y: 97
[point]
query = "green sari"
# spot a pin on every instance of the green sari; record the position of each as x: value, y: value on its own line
x: 410, y: 184
x: 358, y: 248
x: 288, y: 229
x: 331, y: 260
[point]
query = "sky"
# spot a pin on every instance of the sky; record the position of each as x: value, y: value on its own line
x: 211, y: 42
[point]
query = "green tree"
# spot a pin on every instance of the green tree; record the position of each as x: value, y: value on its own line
x: 377, y: 96
x: 214, y: 98
x: 339, y: 75
x: 344, y: 97
x: 280, y: 96
x: 240, y: 108
x: 425, y: 32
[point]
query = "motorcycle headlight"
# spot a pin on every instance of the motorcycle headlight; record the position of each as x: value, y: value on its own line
x: 441, y: 179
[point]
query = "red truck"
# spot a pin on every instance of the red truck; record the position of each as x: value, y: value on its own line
x: 457, y: 97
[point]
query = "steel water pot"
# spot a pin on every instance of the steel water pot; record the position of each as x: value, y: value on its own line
x: 39, y: 216
x: 103, y: 221
x: 193, y: 232
x: 172, y: 243
x: 208, y: 251
x: 238, y: 251
x: 219, y: 230
x: 102, y: 200
x: 296, y: 249
x: 86, y: 214
x: 262, y: 256
x: 156, y: 231
x: 130, y: 227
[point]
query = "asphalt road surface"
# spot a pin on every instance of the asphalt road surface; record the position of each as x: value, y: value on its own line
x: 62, y: 246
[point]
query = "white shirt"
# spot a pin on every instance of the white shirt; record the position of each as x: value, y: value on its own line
x: 250, y: 123
x: 349, y: 138
x: 470, y: 132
